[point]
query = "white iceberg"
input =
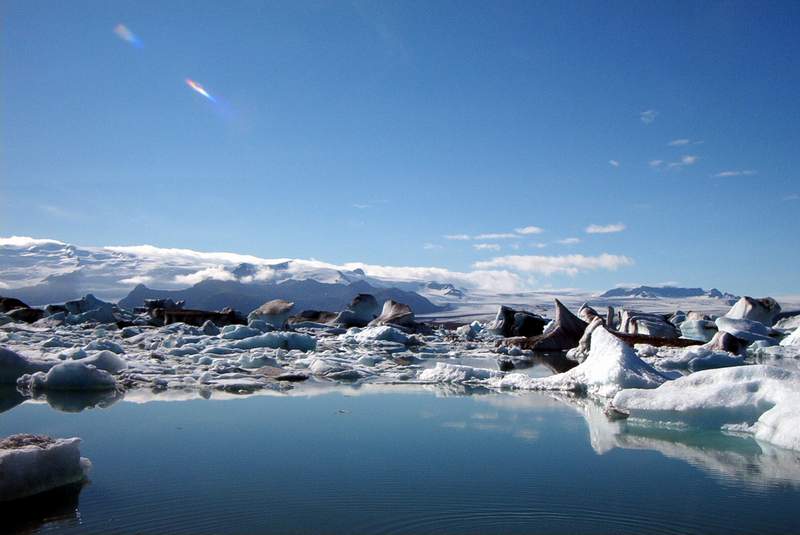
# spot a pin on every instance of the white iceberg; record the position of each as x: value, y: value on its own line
x: 793, y: 339
x: 384, y: 333
x: 31, y: 464
x: 276, y: 340
x: 70, y: 375
x: 455, y: 373
x: 612, y: 365
x: 107, y: 361
x: 759, y: 399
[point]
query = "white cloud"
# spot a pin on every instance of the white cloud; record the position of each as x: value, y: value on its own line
x: 679, y: 142
x: 655, y: 163
x: 213, y: 273
x: 792, y: 197
x: 550, y: 265
x: 613, y: 163
x: 529, y: 230
x: 605, y: 229
x: 738, y: 172
x: 460, y: 237
x: 431, y: 246
x: 486, y: 246
x: 25, y: 241
x: 569, y: 241
x: 495, y: 236
x: 648, y: 116
x: 687, y: 159
x: 539, y: 245
x: 488, y: 280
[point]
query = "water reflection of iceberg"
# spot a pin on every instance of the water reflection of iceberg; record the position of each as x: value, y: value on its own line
x: 66, y: 401
x: 9, y: 398
x: 58, y: 507
x: 729, y: 459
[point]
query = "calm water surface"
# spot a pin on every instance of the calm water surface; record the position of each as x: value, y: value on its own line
x: 405, y: 460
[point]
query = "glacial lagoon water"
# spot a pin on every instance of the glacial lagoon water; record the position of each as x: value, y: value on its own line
x: 397, y: 459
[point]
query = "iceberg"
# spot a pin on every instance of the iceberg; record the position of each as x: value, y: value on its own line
x: 455, y: 373
x: 276, y: 340
x: 32, y: 464
x: 758, y: 399
x: 384, y: 333
x: 612, y: 365
x: 793, y: 339
x: 13, y: 366
x: 71, y: 375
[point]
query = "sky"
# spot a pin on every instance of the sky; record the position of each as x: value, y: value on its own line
x: 576, y: 144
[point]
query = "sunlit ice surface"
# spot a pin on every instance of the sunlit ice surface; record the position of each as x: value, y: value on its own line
x: 124, y: 33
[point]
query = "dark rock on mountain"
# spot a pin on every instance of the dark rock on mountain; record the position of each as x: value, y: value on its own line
x: 446, y: 289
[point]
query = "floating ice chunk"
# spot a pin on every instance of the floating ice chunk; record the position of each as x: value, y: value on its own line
x: 701, y: 330
x: 55, y: 341
x: 31, y: 464
x: 384, y: 333
x: 209, y: 328
x: 71, y: 375
x: 793, y: 339
x: 369, y: 360
x: 319, y: 366
x: 611, y: 366
x: 744, y: 329
x: 278, y: 339
x: 456, y: 373
x: 129, y: 332
x: 13, y: 366
x: 470, y: 331
x: 104, y: 345
x: 107, y: 361
x: 694, y: 358
x: 274, y: 312
x: 256, y: 361
x: 763, y: 398
x: 238, y: 332
x: 759, y: 310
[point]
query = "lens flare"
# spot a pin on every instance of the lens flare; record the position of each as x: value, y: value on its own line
x: 124, y: 33
x: 200, y: 89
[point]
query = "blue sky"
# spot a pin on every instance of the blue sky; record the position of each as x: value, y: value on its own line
x: 370, y: 131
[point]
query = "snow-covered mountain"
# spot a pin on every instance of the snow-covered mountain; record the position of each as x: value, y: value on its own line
x: 41, y: 271
x: 667, y: 292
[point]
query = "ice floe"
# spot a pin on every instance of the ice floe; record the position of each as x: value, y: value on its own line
x: 758, y: 399
x: 32, y: 464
